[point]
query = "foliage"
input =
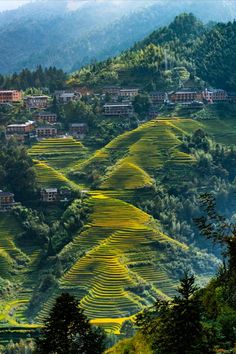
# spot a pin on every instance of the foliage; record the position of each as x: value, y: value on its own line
x: 171, y: 57
x: 67, y: 330
x: 176, y: 327
x: 141, y: 105
x: 216, y: 65
x: 51, y: 78
x: 17, y: 171
x: 22, y: 347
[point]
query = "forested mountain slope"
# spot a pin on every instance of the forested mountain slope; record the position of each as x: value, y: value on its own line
x: 172, y: 55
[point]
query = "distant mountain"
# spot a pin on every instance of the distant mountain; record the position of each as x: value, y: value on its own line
x: 70, y: 34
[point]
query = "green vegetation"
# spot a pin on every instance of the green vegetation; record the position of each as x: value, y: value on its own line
x: 176, y: 326
x: 59, y: 153
x: 169, y: 57
x: 51, y: 78
x: 17, y: 171
x: 126, y: 234
x: 67, y: 330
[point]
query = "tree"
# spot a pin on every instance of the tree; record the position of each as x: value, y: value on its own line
x: 217, y: 228
x: 175, y: 327
x: 141, y: 104
x: 17, y: 172
x: 68, y: 331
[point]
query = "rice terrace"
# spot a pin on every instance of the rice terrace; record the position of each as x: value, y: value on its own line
x: 113, y: 280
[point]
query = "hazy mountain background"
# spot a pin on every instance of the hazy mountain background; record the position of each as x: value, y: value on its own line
x: 69, y: 34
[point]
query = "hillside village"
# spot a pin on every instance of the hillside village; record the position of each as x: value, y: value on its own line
x: 114, y: 102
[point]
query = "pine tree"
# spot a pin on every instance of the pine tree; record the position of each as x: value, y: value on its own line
x: 175, y: 327
x: 68, y: 331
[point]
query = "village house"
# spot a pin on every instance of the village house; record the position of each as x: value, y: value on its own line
x: 49, y: 195
x: 158, y: 98
x: 215, y: 95
x: 36, y: 102
x: 10, y: 96
x: 128, y: 93
x: 6, y: 200
x: 78, y: 130
x: 65, y: 97
x: 185, y: 95
x: 118, y: 109
x: 46, y: 131
x: 46, y: 117
x: 111, y: 90
x: 19, y: 128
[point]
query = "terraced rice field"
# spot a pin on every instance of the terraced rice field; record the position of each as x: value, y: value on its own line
x: 17, y: 265
x: 120, y: 250
x: 49, y: 177
x: 59, y: 153
x: 10, y: 254
x: 222, y: 130
x: 138, y: 154
x: 101, y: 278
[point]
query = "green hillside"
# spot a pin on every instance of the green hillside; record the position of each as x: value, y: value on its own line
x: 106, y: 265
x: 18, y: 263
x: 59, y: 153
x: 169, y: 56
x: 151, y: 147
x: 121, y: 258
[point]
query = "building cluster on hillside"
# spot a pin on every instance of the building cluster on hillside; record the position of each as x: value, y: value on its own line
x: 192, y: 95
x: 188, y: 98
x: 115, y: 101
x: 44, y: 124
x: 30, y: 129
x: 121, y: 101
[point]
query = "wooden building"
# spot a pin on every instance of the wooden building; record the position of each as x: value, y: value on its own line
x: 46, y: 131
x: 19, y: 128
x: 65, y: 97
x: 36, y: 102
x: 215, y: 95
x: 6, y: 200
x: 185, y: 95
x: 10, y: 96
x: 157, y: 97
x: 46, y: 117
x: 129, y: 93
x: 78, y: 130
x: 118, y: 109
x: 49, y: 195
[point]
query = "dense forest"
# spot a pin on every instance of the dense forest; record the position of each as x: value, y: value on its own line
x: 49, y: 79
x: 170, y: 56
